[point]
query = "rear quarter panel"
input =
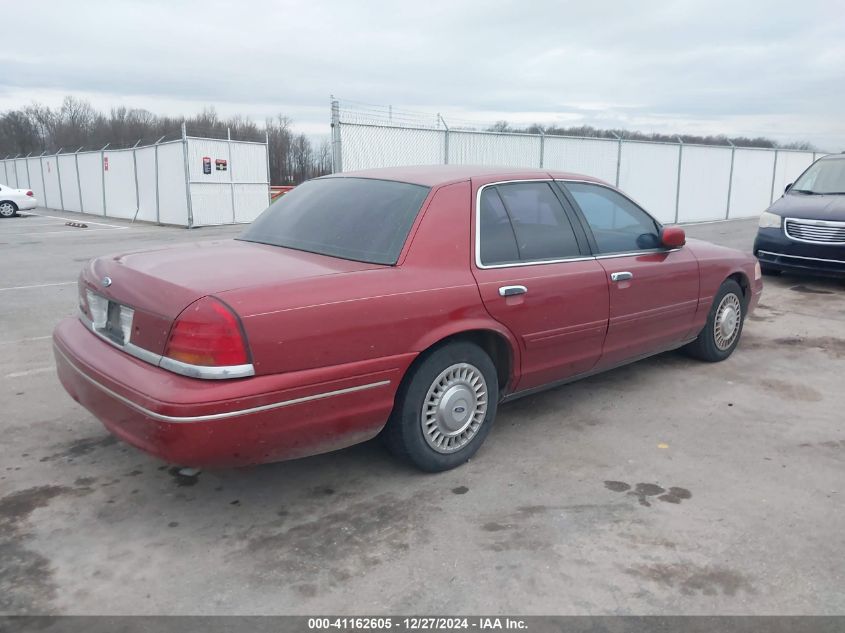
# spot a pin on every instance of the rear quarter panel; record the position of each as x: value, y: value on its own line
x: 387, y: 312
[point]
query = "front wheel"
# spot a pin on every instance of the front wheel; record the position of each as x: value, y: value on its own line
x: 444, y: 408
x: 721, y: 333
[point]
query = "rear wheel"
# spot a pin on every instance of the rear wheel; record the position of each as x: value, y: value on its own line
x: 8, y: 209
x: 721, y: 333
x: 445, y: 408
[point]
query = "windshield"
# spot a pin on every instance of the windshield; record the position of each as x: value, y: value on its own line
x: 361, y: 219
x: 824, y: 176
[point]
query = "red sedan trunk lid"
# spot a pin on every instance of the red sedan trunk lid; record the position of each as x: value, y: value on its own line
x: 159, y: 284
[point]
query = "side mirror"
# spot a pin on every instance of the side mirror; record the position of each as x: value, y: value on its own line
x: 787, y: 188
x: 672, y: 236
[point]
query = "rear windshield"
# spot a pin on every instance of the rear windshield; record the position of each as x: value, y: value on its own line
x: 362, y: 219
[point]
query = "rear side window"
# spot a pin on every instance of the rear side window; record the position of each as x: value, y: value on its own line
x: 618, y: 225
x: 540, y: 224
x: 498, y: 242
x: 351, y: 218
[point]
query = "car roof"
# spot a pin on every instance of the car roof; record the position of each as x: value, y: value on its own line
x: 435, y: 175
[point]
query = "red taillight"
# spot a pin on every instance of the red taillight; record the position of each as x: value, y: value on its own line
x: 207, y: 333
x: 30, y: 194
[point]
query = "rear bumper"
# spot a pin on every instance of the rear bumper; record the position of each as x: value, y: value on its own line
x: 776, y: 251
x: 192, y: 422
x: 29, y: 203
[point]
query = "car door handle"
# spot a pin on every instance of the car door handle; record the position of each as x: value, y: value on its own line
x: 621, y: 276
x: 510, y: 291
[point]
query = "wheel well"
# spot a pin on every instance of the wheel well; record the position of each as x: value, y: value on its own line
x: 12, y: 202
x: 494, y: 344
x: 742, y: 280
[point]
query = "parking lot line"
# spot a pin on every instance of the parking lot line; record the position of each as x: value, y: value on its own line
x: 83, y: 219
x: 70, y: 231
x: 58, y: 283
x: 29, y: 372
x: 26, y: 340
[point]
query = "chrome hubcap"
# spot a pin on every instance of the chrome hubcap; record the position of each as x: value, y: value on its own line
x: 454, y: 408
x: 726, y: 327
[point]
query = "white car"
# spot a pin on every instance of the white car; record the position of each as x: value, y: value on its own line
x: 14, y: 200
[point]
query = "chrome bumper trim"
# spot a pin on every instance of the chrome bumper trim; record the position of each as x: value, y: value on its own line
x: 813, y: 259
x: 215, y: 416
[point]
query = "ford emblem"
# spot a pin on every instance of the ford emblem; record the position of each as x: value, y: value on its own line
x: 106, y: 282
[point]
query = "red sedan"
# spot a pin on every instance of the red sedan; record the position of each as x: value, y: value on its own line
x: 409, y: 301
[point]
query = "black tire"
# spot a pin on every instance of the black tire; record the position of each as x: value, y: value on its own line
x: 709, y: 346
x: 769, y: 271
x: 404, y: 434
x: 8, y: 209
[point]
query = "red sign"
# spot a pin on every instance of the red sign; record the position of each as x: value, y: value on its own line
x: 105, y: 163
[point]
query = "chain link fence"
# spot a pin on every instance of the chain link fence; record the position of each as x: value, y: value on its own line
x: 676, y: 182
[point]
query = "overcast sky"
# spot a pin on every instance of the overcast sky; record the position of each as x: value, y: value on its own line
x: 739, y: 68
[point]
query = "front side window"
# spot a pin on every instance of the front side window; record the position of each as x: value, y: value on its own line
x: 362, y: 219
x: 618, y: 225
x: 525, y: 222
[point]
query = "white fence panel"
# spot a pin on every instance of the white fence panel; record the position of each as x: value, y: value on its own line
x: 172, y: 194
x: 120, y: 184
x: 52, y: 193
x: 145, y: 164
x: 705, y: 173
x: 789, y: 167
x: 69, y: 183
x: 149, y: 183
x: 751, y: 187
x: 592, y: 157
x: 366, y: 146
x: 484, y: 148
x: 250, y: 201
x: 36, y: 184
x: 212, y: 203
x: 20, y: 173
x: 212, y: 149
x: 248, y: 164
x: 91, y: 182
x: 11, y: 178
x: 649, y: 174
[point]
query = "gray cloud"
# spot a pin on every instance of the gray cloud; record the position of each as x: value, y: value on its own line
x: 708, y: 66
